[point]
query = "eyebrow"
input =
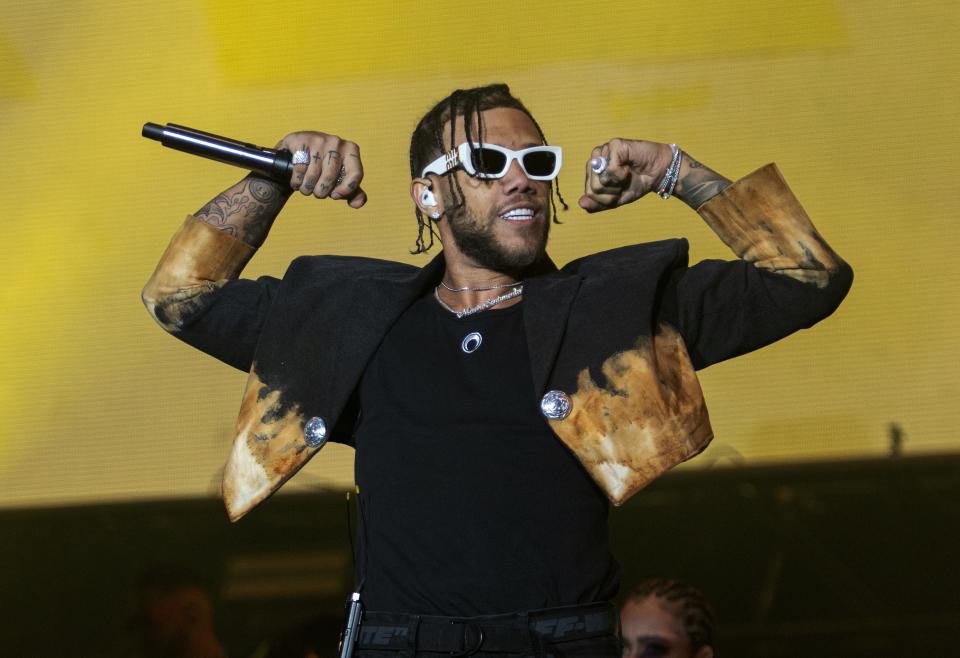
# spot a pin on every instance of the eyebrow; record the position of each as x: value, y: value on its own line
x: 648, y: 638
x: 525, y: 145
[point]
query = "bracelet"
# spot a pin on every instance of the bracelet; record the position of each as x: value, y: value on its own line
x: 665, y: 189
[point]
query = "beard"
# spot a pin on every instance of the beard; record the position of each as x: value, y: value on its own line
x: 479, y: 242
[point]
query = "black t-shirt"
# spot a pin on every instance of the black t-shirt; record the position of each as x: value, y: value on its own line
x: 469, y: 504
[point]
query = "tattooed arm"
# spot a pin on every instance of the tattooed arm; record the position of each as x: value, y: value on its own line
x: 634, y: 169
x: 247, y: 210
x: 200, y: 260
x: 786, y: 276
x: 758, y: 217
x: 697, y: 183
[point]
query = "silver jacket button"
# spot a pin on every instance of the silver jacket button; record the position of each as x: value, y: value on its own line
x: 315, y: 432
x: 556, y: 405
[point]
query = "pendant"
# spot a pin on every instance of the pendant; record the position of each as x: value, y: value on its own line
x: 471, y: 342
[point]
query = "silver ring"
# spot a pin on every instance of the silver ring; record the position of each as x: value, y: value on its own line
x: 598, y: 164
x: 343, y: 172
x: 301, y: 157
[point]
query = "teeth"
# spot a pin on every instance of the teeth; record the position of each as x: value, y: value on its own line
x: 518, y: 213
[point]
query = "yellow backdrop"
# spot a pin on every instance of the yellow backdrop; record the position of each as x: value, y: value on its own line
x: 856, y: 101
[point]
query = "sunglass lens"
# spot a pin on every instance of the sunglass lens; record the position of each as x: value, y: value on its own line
x: 539, y: 163
x: 487, y: 161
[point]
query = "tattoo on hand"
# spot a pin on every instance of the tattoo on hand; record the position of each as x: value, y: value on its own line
x: 609, y: 179
x: 331, y: 155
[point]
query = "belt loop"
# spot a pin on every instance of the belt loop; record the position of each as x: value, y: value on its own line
x: 536, y: 641
x: 412, y: 628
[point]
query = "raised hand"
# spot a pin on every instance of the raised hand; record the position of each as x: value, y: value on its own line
x: 631, y: 169
x: 330, y: 167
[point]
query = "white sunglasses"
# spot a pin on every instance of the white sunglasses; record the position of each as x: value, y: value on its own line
x: 493, y: 161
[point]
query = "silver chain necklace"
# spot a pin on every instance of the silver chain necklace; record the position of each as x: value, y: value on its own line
x: 479, y: 307
x: 467, y: 288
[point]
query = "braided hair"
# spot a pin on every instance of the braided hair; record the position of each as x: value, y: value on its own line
x: 688, y: 605
x: 426, y: 143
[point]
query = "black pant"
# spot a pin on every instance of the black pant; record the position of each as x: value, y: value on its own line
x: 587, y: 631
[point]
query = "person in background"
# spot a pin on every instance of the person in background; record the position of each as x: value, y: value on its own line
x: 174, y: 616
x: 665, y: 618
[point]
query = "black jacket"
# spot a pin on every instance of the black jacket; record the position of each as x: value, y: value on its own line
x: 615, y: 336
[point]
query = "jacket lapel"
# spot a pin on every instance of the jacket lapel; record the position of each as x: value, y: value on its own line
x: 546, y: 305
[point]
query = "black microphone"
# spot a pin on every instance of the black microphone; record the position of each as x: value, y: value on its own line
x: 272, y: 163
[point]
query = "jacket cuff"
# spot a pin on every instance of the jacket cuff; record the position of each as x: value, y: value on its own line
x: 198, y: 259
x: 760, y: 219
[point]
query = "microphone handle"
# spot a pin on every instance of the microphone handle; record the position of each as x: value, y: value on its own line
x: 352, y: 628
x: 271, y: 163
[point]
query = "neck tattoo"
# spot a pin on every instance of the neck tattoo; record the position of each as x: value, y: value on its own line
x: 516, y: 292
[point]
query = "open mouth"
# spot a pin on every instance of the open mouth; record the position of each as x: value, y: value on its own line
x: 518, y: 215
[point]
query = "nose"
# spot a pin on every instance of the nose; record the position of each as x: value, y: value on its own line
x: 515, y: 180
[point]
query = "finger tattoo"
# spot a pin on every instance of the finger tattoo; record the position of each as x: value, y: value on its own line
x: 606, y: 178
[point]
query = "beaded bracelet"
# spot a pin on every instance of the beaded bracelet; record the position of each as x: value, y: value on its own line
x: 665, y: 189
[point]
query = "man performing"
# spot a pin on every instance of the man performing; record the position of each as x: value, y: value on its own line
x: 496, y: 404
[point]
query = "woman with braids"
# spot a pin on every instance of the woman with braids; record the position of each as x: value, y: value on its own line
x: 664, y: 618
x: 497, y: 404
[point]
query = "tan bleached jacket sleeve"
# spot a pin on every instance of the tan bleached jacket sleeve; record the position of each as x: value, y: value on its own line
x: 199, y: 260
x: 762, y: 221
